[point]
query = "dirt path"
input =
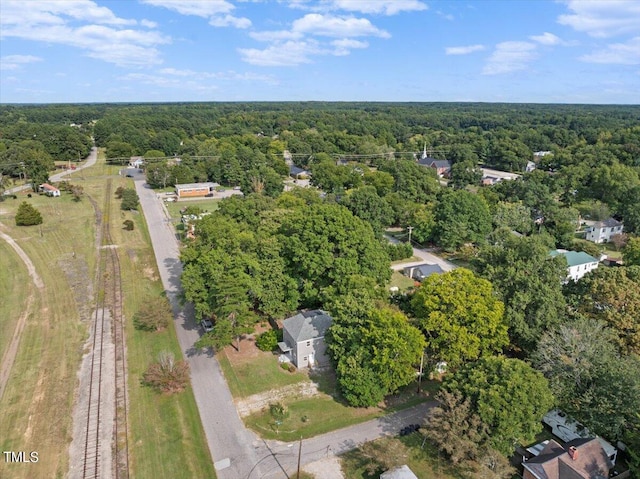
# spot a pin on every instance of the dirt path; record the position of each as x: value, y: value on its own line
x: 10, y: 354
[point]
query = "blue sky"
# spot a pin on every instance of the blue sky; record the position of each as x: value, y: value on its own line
x: 345, y: 50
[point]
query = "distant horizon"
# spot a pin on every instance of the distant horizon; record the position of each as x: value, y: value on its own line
x: 389, y: 51
x: 408, y: 102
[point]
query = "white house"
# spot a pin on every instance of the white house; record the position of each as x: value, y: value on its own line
x: 579, y: 263
x: 303, y: 338
x: 602, y: 231
x: 49, y: 190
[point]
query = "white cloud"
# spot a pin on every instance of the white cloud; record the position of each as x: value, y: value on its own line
x: 283, y: 54
x: 546, y: 39
x: 148, y: 23
x: 275, y: 35
x: 199, y: 8
x: 332, y: 26
x: 100, y: 35
x: 386, y: 7
x: 344, y: 46
x: 509, y: 57
x: 229, y: 21
x: 617, y: 53
x: 602, y: 18
x: 463, y: 50
x: 15, y: 62
x: 217, y: 11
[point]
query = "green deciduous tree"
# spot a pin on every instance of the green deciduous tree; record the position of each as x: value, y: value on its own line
x: 27, y: 215
x: 461, y: 217
x: 460, y: 317
x: 130, y: 199
x: 631, y: 252
x: 613, y: 296
x: 508, y: 395
x: 375, y: 351
x: 154, y: 315
x: 529, y: 282
x: 589, y: 377
x: 324, y: 244
x: 367, y: 205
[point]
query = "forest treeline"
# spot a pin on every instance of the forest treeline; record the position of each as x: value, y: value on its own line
x: 508, y: 322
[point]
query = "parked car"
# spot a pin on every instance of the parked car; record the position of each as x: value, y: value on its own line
x: 207, y: 325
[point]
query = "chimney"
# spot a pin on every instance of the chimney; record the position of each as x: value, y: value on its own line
x: 573, y: 453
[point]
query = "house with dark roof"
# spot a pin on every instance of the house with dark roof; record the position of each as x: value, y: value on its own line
x: 602, y: 231
x: 442, y: 167
x: 303, y: 338
x: 298, y: 173
x: 579, y: 263
x: 421, y: 271
x: 577, y: 459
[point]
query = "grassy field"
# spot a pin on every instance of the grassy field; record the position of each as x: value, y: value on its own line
x: 166, y: 437
x: 208, y: 204
x: 258, y: 373
x: 401, y: 281
x: 253, y: 371
x: 310, y: 417
x: 372, y: 459
x: 14, y: 281
x: 37, y: 403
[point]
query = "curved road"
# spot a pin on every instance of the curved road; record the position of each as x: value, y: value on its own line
x: 88, y: 161
x: 237, y: 452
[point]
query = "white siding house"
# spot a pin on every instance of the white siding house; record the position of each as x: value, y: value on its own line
x: 303, y: 338
x: 602, y: 231
x: 579, y: 263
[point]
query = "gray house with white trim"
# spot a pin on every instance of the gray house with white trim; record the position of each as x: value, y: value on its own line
x: 303, y: 338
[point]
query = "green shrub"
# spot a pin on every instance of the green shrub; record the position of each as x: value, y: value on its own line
x: 268, y: 341
x: 27, y: 215
x: 128, y: 225
x: 399, y: 251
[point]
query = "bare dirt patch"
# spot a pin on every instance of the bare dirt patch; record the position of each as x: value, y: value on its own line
x: 261, y: 401
x: 328, y: 468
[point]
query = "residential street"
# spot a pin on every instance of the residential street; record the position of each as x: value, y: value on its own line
x: 426, y: 256
x: 236, y: 451
x: 89, y: 161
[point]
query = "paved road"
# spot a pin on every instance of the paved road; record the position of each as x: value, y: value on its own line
x: 426, y: 257
x: 89, y: 161
x: 236, y: 451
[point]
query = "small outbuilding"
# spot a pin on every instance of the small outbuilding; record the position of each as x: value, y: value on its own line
x: 400, y: 472
x: 49, y: 190
x: 420, y: 272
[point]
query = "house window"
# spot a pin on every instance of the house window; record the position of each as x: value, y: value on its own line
x: 308, y: 343
x: 305, y: 358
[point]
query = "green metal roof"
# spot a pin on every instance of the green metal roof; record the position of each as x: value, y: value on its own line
x: 575, y: 258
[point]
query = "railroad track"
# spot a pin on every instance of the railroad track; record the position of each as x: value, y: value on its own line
x: 108, y: 341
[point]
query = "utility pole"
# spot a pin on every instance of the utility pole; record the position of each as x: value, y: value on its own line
x: 410, y: 228
x: 299, y: 458
x: 420, y: 375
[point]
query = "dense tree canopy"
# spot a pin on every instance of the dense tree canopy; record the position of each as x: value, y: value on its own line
x: 589, y: 377
x: 375, y: 350
x: 461, y: 217
x: 460, y: 317
x: 529, y: 282
x: 613, y: 296
x: 509, y: 396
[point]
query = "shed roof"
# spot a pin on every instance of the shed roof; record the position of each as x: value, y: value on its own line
x: 400, y: 472
x: 189, y: 186
x: 307, y: 325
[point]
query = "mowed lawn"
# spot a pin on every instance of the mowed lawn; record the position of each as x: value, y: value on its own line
x: 14, y: 288
x: 38, y: 400
x: 374, y: 458
x: 165, y: 435
x: 253, y: 371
